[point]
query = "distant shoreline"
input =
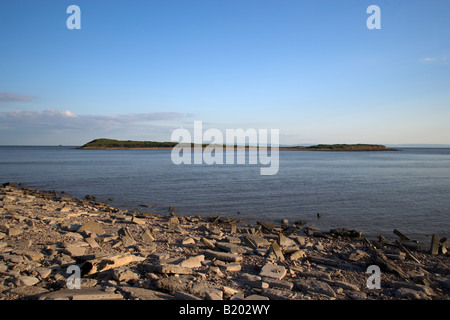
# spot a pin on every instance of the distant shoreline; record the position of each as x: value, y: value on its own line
x: 110, y: 144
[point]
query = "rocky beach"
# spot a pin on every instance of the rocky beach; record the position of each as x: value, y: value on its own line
x: 46, y: 237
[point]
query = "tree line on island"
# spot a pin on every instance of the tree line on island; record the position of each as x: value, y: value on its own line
x: 130, y: 144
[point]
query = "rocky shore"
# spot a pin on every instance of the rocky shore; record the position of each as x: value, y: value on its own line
x: 46, y: 237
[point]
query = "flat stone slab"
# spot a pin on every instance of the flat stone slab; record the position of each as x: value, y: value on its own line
x: 145, y: 294
x: 91, y: 227
x: 224, y: 256
x: 168, y: 269
x: 81, y: 294
x: 316, y: 286
x: 273, y: 271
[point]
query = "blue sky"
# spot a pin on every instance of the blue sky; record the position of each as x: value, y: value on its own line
x: 140, y: 69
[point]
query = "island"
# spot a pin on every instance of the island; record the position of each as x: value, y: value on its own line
x: 156, y: 145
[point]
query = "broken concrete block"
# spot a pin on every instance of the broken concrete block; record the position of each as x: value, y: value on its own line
x: 315, y: 286
x: 172, y: 284
x: 213, y: 294
x: 342, y: 284
x: 224, y: 256
x: 74, y: 250
x: 229, y: 292
x: 91, y: 227
x: 192, y: 262
x: 25, y: 281
x: 316, y: 275
x: 92, y: 243
x: 231, y: 267
x: 167, y: 269
x: 138, y: 221
x: 29, y: 293
x: 147, y: 236
x: 125, y: 274
x: 180, y: 295
x: 143, y: 294
x: 275, y: 294
x: 255, y: 297
x: 407, y: 293
x: 81, y: 294
x: 208, y: 243
x: 273, y: 271
x: 297, y: 255
x: 278, y: 284
x: 284, y: 241
x: 13, y: 232
x: 434, y: 244
x: 275, y: 250
x: 254, y: 241
x: 188, y: 241
x: 43, y: 272
x: 33, y: 255
x: 233, y: 248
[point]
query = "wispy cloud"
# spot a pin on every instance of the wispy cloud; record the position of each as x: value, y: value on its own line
x: 54, y: 126
x: 433, y: 59
x: 6, y: 96
x: 64, y: 119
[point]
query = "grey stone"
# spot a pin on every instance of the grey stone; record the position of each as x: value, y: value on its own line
x: 25, y: 281
x: 33, y: 255
x: 249, y: 277
x: 208, y: 243
x: 342, y: 284
x: 316, y: 286
x: 13, y: 232
x: 284, y: 241
x: 225, y: 256
x: 231, y: 267
x: 273, y: 271
x: 27, y: 292
x: 75, y: 250
x: 407, y: 293
x: 233, y: 248
x: 434, y: 244
x: 147, y: 236
x: 276, y: 252
x: 279, y: 284
x: 188, y: 241
x: 192, y: 262
x: 144, y: 294
x: 275, y: 294
x: 316, y: 275
x: 255, y: 241
x: 81, y: 294
x: 297, y: 255
x: 43, y: 272
x: 255, y: 297
x: 124, y: 274
x: 180, y: 295
x: 172, y: 284
x: 91, y: 227
x: 167, y: 269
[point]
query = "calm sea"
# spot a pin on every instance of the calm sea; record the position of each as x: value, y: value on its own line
x: 375, y: 192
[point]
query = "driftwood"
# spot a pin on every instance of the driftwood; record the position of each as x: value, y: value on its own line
x: 383, y: 262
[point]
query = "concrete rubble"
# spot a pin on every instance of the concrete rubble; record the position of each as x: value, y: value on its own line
x: 124, y: 255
